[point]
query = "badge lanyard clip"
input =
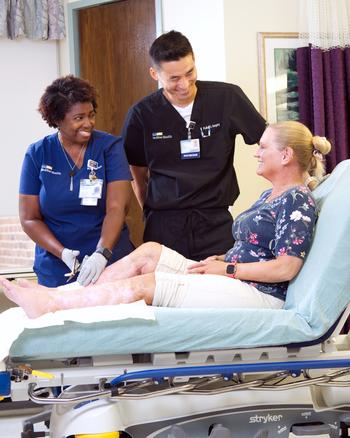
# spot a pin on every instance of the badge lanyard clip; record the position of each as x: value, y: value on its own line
x: 190, y: 148
x: 92, y: 166
x: 92, y: 175
x: 91, y: 189
x: 190, y: 126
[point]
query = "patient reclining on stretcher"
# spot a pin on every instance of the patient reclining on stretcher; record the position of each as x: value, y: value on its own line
x: 272, y: 239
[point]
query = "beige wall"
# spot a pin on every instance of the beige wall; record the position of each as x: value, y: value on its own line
x: 243, y: 19
x: 26, y: 68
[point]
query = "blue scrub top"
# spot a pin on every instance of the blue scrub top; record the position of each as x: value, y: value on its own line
x: 45, y: 173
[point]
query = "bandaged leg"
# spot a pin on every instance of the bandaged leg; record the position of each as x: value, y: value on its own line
x: 204, y: 291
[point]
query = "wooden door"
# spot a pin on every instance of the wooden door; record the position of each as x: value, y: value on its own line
x: 114, y: 43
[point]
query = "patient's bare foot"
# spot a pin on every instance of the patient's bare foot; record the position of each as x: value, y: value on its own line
x: 34, y: 299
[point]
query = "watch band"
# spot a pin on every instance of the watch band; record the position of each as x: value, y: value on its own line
x: 107, y: 253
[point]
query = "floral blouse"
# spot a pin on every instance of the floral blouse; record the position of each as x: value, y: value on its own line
x: 267, y: 230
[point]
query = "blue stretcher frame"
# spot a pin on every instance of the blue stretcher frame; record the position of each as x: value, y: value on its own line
x: 228, y: 370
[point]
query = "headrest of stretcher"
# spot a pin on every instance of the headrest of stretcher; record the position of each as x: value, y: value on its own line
x: 321, y: 290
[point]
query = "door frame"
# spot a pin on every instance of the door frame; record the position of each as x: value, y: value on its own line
x: 73, y: 27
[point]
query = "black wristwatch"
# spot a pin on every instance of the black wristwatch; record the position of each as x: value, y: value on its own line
x: 231, y: 270
x: 107, y: 253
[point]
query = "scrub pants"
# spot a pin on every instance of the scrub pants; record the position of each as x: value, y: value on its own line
x: 194, y: 233
x: 175, y: 288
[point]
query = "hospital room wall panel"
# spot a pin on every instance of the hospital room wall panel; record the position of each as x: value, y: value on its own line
x: 242, y: 22
x: 26, y: 68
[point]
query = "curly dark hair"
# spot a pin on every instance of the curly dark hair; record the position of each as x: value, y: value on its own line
x: 61, y: 95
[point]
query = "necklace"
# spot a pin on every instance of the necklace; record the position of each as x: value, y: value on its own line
x: 72, y: 168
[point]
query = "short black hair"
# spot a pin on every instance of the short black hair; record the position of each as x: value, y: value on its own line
x: 61, y: 95
x: 170, y: 46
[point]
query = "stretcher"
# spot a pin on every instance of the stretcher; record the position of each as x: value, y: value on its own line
x: 205, y: 372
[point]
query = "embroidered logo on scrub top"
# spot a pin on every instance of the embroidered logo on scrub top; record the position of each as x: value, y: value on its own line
x: 93, y: 165
x: 49, y: 169
x: 160, y: 136
x: 207, y: 131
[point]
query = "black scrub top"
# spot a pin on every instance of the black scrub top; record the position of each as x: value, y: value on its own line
x: 152, y: 133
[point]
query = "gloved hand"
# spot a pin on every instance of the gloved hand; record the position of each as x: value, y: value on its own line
x: 69, y: 257
x: 91, y: 269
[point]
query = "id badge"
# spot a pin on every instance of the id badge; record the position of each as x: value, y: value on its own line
x: 90, y: 191
x: 190, y: 149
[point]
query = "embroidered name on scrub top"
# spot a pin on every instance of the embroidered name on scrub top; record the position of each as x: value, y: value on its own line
x: 49, y: 169
x: 160, y: 136
x: 206, y: 131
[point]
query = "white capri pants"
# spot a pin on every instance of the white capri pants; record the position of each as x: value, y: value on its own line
x: 175, y: 288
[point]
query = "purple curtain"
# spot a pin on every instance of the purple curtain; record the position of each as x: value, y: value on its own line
x: 324, y: 101
x: 324, y: 97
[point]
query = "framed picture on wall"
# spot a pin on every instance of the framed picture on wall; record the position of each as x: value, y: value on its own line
x: 278, y: 86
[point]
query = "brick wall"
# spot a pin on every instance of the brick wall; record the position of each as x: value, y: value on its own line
x: 16, y: 249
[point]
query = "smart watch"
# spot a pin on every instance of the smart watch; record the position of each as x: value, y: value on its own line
x: 107, y: 253
x: 231, y: 270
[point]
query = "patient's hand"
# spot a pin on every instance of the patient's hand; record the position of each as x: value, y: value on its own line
x: 214, y: 257
x: 208, y: 266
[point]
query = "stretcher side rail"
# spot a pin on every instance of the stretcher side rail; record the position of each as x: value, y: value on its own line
x: 163, y: 381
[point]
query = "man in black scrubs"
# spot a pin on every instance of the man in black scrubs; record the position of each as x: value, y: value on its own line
x: 180, y: 143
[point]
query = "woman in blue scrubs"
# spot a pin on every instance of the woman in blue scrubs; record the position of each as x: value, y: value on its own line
x: 74, y: 189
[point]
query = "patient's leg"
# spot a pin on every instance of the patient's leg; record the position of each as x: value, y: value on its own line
x: 141, y: 261
x: 147, y: 258
x: 37, y: 300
